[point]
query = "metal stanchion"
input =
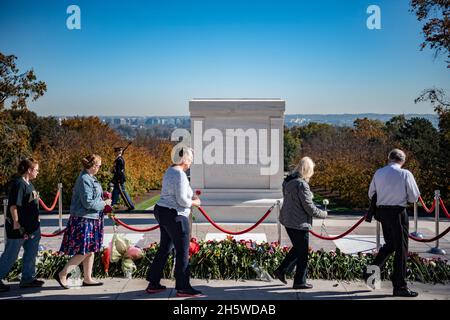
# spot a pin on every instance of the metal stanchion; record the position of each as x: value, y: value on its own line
x: 436, y: 249
x: 378, y: 235
x: 416, y: 234
x: 278, y: 222
x: 5, y: 210
x: 60, y: 206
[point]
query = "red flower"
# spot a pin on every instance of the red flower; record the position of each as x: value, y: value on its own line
x: 105, y: 259
x: 194, y: 247
x: 106, y: 195
x: 198, y: 192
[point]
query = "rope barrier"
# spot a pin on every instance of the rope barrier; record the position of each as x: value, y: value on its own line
x: 425, y: 207
x: 53, y: 205
x: 444, y: 208
x: 123, y: 224
x: 236, y: 232
x: 432, y: 239
x: 55, y: 234
x: 341, y: 235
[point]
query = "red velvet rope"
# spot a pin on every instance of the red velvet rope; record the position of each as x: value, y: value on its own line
x: 53, y: 205
x: 432, y: 239
x: 425, y: 207
x: 50, y: 235
x: 237, y: 232
x: 341, y: 235
x: 123, y: 224
x: 444, y: 208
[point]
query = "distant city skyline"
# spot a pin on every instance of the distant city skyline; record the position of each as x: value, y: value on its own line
x: 289, y: 119
x: 149, y: 58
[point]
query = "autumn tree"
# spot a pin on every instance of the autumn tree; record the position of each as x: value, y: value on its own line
x: 436, y: 29
x: 18, y: 86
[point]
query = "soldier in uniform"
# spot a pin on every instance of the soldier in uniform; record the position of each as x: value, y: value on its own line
x: 119, y: 179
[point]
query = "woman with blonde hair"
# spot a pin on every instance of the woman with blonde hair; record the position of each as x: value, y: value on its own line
x: 296, y: 215
x: 172, y: 213
x: 84, y: 233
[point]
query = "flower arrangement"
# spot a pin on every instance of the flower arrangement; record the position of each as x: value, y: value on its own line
x: 231, y: 259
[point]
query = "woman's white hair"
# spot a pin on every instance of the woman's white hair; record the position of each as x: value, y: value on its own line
x: 183, y: 155
x: 305, y: 168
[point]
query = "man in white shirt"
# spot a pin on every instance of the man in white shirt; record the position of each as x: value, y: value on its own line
x: 394, y: 188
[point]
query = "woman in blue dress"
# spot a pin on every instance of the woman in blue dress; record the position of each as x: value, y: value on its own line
x: 84, y: 234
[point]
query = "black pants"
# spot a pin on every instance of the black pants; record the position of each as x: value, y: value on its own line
x: 394, y: 221
x: 298, y: 253
x: 174, y: 231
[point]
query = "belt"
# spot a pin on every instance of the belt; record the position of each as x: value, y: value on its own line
x: 391, y: 207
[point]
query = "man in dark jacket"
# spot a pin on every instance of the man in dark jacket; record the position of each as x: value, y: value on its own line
x: 119, y: 180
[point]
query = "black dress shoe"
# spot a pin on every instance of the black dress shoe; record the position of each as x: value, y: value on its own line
x: 302, y: 286
x: 405, y: 292
x: 35, y: 283
x: 280, y: 276
x: 95, y: 284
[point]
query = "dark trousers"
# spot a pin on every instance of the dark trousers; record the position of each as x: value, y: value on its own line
x: 119, y: 190
x: 394, y: 221
x: 174, y: 231
x: 298, y: 254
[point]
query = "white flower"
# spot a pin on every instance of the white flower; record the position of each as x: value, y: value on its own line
x: 326, y: 202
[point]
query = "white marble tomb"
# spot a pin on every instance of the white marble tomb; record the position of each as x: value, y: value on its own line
x: 238, y: 157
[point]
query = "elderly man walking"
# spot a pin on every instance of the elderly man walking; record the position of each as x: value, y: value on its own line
x: 394, y: 188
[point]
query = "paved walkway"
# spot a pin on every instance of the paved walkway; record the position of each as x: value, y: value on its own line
x: 133, y: 289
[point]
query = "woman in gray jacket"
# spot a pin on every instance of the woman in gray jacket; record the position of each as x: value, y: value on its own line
x: 296, y: 215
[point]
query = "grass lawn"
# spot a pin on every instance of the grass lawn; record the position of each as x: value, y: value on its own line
x: 332, y: 206
x: 147, y: 203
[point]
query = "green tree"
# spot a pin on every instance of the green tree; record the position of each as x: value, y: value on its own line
x: 14, y: 145
x: 16, y: 86
x: 291, y: 149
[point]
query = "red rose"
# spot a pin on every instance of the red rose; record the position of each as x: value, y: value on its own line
x: 194, y: 247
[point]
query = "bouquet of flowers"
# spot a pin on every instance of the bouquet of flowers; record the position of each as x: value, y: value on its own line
x: 121, y: 250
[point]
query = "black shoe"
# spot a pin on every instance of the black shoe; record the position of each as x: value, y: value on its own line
x: 56, y: 277
x: 155, y: 288
x: 405, y: 292
x: 4, y: 287
x: 95, y: 284
x: 277, y: 274
x: 35, y: 283
x: 302, y: 286
x: 191, y: 292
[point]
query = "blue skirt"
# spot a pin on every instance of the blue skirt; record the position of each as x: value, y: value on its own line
x: 82, y: 236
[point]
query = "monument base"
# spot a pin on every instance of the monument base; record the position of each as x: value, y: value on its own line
x: 238, y: 205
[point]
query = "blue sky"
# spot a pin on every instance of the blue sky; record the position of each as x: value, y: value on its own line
x: 150, y: 57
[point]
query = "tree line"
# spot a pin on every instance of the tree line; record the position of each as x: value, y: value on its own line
x: 347, y: 157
